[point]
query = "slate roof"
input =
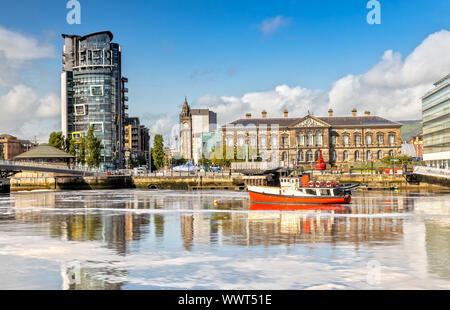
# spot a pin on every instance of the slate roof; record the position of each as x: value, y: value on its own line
x: 333, y: 121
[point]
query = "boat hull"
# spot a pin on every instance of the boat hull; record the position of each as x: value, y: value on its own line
x: 273, y: 198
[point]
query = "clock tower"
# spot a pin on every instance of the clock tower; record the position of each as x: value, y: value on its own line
x: 186, y: 131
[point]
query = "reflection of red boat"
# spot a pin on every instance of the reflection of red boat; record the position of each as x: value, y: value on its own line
x: 287, y: 207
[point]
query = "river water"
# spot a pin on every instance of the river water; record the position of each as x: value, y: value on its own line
x: 135, y: 239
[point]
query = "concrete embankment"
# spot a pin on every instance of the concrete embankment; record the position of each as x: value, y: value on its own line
x: 387, y: 181
x: 112, y: 182
x: 234, y: 182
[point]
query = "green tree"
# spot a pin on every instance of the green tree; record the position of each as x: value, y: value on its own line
x: 56, y: 139
x: 81, y: 152
x: 92, y: 148
x: 402, y: 160
x: 158, y: 151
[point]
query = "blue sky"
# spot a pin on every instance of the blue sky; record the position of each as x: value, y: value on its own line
x: 173, y: 49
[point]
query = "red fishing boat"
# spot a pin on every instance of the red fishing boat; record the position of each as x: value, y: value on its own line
x: 301, y: 190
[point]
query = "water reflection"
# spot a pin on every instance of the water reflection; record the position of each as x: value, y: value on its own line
x: 129, y: 223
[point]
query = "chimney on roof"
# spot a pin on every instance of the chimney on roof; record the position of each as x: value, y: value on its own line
x: 286, y: 113
x: 354, y: 111
x: 330, y: 112
x: 248, y: 115
x: 264, y: 114
x: 367, y: 113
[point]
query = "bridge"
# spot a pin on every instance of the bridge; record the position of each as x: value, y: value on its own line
x: 8, y: 169
x: 428, y: 175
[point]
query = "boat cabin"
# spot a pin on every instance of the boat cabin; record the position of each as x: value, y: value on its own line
x: 304, y: 185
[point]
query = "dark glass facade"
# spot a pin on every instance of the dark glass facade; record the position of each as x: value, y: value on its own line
x: 93, y: 93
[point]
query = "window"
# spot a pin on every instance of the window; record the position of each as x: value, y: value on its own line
x: 240, y: 141
x: 368, y: 140
x: 368, y: 155
x: 274, y: 141
x: 333, y: 140
x: 345, y: 154
x: 391, y: 139
x: 284, y: 141
x: 319, y: 138
x: 310, y: 139
x: 253, y: 141
x: 316, y: 156
x: 380, y: 139
x: 357, y: 139
x: 262, y: 141
x: 310, y: 191
x: 334, y: 156
x: 356, y: 155
x: 299, y: 139
x: 325, y: 192
x: 284, y: 156
x: 230, y: 141
x: 391, y: 153
x: 300, y: 156
x: 345, y: 138
x: 309, y: 156
x: 380, y: 154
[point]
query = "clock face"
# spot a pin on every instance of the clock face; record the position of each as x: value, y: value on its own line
x: 185, y: 125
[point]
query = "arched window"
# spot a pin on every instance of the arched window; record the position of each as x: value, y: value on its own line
x: 356, y: 155
x: 357, y: 140
x: 345, y: 154
x: 300, y: 156
x: 368, y: 155
x: 380, y: 154
x: 309, y: 156
x: 368, y: 140
x: 334, y: 156
x: 391, y: 153
x: 316, y: 156
x: 284, y: 156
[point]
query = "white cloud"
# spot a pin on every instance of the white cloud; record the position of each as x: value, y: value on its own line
x: 393, y: 87
x: 17, y: 46
x: 22, y: 112
x: 272, y: 25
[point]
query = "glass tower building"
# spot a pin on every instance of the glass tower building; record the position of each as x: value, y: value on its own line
x: 436, y: 125
x: 93, y: 93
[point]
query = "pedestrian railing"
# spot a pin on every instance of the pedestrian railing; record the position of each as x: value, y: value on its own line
x: 430, y: 171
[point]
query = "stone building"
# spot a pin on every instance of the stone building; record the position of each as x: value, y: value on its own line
x: 298, y: 141
x: 194, y: 124
x: 10, y: 146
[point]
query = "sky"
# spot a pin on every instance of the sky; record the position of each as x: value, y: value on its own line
x: 233, y: 57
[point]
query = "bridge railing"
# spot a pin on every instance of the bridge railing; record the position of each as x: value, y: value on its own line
x: 443, y: 173
x: 51, y: 165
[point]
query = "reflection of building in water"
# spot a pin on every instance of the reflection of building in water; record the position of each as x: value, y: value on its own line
x: 115, y: 229
x: 437, y: 230
x: 76, y: 277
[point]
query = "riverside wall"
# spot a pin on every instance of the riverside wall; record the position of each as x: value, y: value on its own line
x: 113, y: 182
x: 376, y: 181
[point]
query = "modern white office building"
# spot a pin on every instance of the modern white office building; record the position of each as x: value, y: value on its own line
x: 436, y: 125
